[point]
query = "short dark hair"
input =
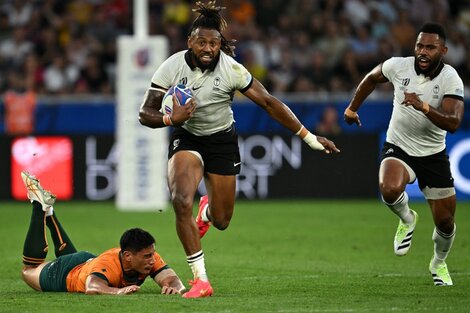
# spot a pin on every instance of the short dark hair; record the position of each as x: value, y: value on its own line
x: 434, y: 28
x: 136, y: 239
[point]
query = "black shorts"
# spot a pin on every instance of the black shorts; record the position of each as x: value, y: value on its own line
x: 432, y: 171
x: 53, y: 276
x: 219, y: 151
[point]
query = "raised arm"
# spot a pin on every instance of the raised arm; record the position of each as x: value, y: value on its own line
x: 363, y: 90
x: 281, y: 113
x: 169, y: 282
x: 95, y: 285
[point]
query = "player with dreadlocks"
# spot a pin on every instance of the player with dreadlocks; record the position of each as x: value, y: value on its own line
x: 204, y: 142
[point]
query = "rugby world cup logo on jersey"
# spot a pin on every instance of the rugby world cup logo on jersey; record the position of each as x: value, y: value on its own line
x: 184, y: 81
x: 405, y: 81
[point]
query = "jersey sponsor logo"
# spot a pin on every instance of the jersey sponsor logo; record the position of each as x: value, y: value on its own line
x: 435, y: 90
x: 389, y: 151
x: 443, y: 192
x: 184, y: 81
x: 176, y: 143
x: 217, y: 81
x: 236, y: 164
x: 405, y: 81
x: 199, y: 87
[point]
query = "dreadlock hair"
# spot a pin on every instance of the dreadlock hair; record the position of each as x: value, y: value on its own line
x: 209, y: 17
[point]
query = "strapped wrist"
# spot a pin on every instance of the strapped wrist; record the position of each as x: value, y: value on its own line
x: 309, y: 139
x: 167, y: 120
x: 350, y: 113
x: 426, y: 108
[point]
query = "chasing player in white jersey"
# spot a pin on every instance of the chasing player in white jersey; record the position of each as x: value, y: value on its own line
x: 204, y: 143
x: 427, y: 103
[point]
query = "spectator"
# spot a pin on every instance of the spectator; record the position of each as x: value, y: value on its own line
x: 457, y: 50
x: 317, y: 71
x: 34, y: 73
x: 267, y: 27
x: 18, y: 12
x: 93, y: 77
x: 5, y: 29
x: 333, y: 44
x: 20, y: 104
x: 329, y: 124
x: 364, y: 47
x: 14, y: 50
x: 404, y: 33
x: 241, y: 11
x: 60, y: 76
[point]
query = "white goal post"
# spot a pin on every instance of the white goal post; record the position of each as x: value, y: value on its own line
x: 141, y: 166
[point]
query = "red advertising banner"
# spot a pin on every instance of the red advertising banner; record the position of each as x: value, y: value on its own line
x: 48, y: 158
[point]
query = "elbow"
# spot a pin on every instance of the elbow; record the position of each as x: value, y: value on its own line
x: 451, y: 130
x: 143, y: 119
x: 453, y: 127
x: 91, y: 291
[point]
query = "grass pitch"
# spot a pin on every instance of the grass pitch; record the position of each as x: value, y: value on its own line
x: 276, y: 256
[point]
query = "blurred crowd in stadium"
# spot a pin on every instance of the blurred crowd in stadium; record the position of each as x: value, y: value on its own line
x: 68, y: 46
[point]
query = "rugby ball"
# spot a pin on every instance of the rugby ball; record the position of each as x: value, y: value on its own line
x: 183, y: 95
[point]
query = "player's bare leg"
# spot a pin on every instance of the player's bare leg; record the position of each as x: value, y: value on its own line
x: 393, y: 178
x: 185, y: 171
x: 221, y: 192
x: 30, y: 274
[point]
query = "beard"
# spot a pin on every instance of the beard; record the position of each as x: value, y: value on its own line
x: 432, y: 66
x: 202, y: 66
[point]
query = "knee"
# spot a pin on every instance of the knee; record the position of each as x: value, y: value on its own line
x: 390, y: 192
x: 221, y: 220
x: 221, y: 224
x: 445, y: 224
x: 30, y: 276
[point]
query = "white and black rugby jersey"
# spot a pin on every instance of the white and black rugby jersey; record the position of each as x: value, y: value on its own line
x: 213, y: 89
x: 410, y: 129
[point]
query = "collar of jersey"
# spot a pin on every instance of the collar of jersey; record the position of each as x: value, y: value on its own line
x: 436, y: 72
x: 189, y: 61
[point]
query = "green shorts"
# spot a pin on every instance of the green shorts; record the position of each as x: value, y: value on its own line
x: 53, y: 276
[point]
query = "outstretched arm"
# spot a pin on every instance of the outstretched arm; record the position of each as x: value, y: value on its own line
x: 281, y: 113
x: 169, y: 281
x: 365, y: 88
x: 95, y: 285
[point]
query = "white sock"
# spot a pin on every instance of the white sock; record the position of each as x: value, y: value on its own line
x: 442, y: 244
x: 400, y: 207
x: 50, y: 211
x: 196, y: 263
